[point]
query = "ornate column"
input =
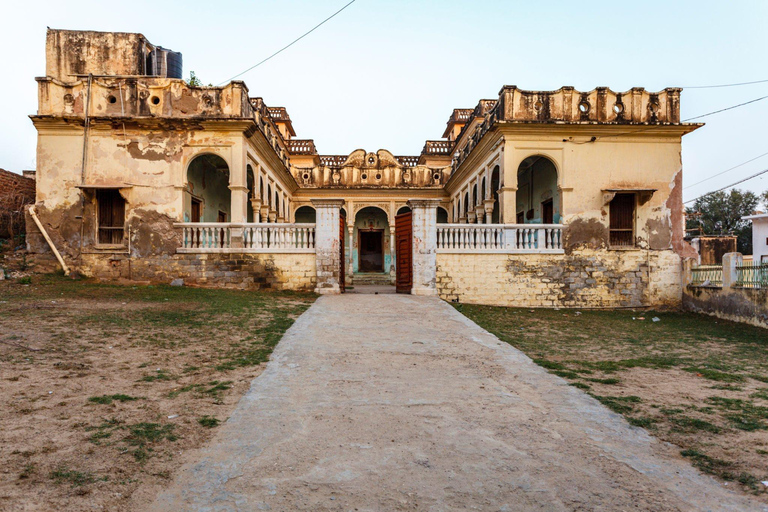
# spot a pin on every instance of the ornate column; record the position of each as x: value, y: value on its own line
x: 264, y: 212
x: 327, y: 245
x: 489, y: 203
x: 471, y: 216
x: 479, y: 213
x: 508, y: 184
x: 424, y: 246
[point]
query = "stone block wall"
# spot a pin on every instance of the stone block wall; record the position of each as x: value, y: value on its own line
x: 586, y: 278
x: 244, y: 271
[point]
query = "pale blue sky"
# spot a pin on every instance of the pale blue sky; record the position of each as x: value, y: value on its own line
x: 386, y: 74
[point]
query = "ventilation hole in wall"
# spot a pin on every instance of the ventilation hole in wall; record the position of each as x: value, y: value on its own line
x: 618, y: 108
x: 584, y: 107
x: 364, y: 176
x: 538, y: 105
x: 436, y: 176
x: 112, y: 99
x: 378, y: 176
x: 653, y: 107
x: 155, y: 100
x: 306, y: 176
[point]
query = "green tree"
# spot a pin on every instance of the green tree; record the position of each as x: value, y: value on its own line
x: 193, y: 80
x: 720, y: 213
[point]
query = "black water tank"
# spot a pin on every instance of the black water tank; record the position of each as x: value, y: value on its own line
x: 174, y: 65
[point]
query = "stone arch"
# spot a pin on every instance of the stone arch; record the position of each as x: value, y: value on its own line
x: 371, y: 244
x: 305, y: 215
x: 207, y: 195
x: 537, y: 198
x: 466, y: 203
x: 250, y: 182
x: 403, y: 209
x: 494, y: 194
x: 442, y: 215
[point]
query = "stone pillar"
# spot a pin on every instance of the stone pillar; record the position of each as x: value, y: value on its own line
x: 471, y: 216
x: 489, y: 204
x: 479, y: 211
x: 351, y: 266
x: 508, y: 211
x: 264, y: 212
x: 256, y: 207
x: 730, y: 262
x: 239, y: 209
x: 272, y: 216
x: 424, y: 246
x: 328, y: 245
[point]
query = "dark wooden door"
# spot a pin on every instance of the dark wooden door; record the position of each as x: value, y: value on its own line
x: 547, y: 212
x: 404, y: 252
x: 342, y: 270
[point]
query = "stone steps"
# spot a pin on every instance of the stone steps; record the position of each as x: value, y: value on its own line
x: 371, y: 279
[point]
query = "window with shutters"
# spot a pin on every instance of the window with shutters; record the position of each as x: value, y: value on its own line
x: 622, y: 220
x: 111, y: 217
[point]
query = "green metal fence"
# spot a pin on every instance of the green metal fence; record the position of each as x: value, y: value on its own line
x: 752, y: 275
x: 707, y: 275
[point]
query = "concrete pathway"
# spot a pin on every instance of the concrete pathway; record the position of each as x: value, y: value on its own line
x: 392, y: 402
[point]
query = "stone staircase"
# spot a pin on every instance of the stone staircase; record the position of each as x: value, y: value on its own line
x: 379, y: 279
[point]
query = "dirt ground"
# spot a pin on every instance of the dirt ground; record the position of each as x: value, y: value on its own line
x: 695, y: 381
x: 104, y: 388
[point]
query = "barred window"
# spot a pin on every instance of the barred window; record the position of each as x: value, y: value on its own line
x: 622, y: 220
x: 111, y: 220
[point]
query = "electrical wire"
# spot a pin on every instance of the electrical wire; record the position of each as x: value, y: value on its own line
x: 645, y: 129
x: 289, y: 44
x: 725, y: 171
x: 724, y: 85
x: 727, y: 186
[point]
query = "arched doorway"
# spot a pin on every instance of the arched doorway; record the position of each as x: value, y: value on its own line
x: 305, y: 215
x: 207, y: 197
x: 251, y: 183
x: 372, y: 241
x: 442, y: 215
x: 403, y: 209
x: 537, y: 199
x: 494, y: 194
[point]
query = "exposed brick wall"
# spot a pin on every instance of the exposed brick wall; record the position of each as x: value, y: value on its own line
x: 11, y: 180
x: 16, y: 191
x: 588, y: 278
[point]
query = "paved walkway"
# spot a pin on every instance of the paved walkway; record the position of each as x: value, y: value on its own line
x: 391, y: 402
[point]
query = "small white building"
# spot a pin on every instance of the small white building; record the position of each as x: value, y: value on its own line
x: 759, y: 236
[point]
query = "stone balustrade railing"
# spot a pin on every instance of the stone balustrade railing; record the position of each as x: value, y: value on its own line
x: 500, y: 238
x: 227, y: 237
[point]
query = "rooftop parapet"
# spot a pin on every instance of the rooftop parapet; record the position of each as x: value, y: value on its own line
x: 601, y: 105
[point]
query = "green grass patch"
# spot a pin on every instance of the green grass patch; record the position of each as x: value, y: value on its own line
x: 610, y: 381
x: 709, y: 464
x: 711, y: 374
x: 108, y: 399
x: 688, y: 424
x: 159, y: 375
x: 76, y: 478
x: 209, y: 421
x: 619, y: 404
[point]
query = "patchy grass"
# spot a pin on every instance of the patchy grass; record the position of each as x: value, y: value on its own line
x: 692, y: 380
x: 110, y: 382
x: 209, y: 421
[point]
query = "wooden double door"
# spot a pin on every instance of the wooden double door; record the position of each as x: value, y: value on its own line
x: 404, y: 252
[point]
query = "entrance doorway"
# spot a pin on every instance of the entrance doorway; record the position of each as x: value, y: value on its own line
x: 371, y: 250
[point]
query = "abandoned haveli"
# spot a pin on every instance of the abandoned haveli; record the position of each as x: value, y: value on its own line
x: 555, y: 198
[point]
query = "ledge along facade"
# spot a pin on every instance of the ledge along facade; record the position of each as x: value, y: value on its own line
x: 534, y: 198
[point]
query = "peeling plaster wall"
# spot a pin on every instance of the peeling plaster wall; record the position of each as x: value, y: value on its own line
x: 737, y: 304
x: 584, y: 278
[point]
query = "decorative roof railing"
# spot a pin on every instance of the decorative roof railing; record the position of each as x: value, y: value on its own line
x: 408, y: 161
x: 460, y: 115
x: 278, y: 114
x: 437, y: 147
x: 301, y: 146
x: 333, y: 160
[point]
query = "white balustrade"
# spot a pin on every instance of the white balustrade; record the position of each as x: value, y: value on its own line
x: 500, y: 238
x: 216, y: 237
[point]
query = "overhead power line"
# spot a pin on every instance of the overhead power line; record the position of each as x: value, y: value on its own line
x: 725, y: 171
x: 724, y: 109
x: 305, y: 34
x: 653, y: 127
x: 723, y: 85
x: 727, y: 186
